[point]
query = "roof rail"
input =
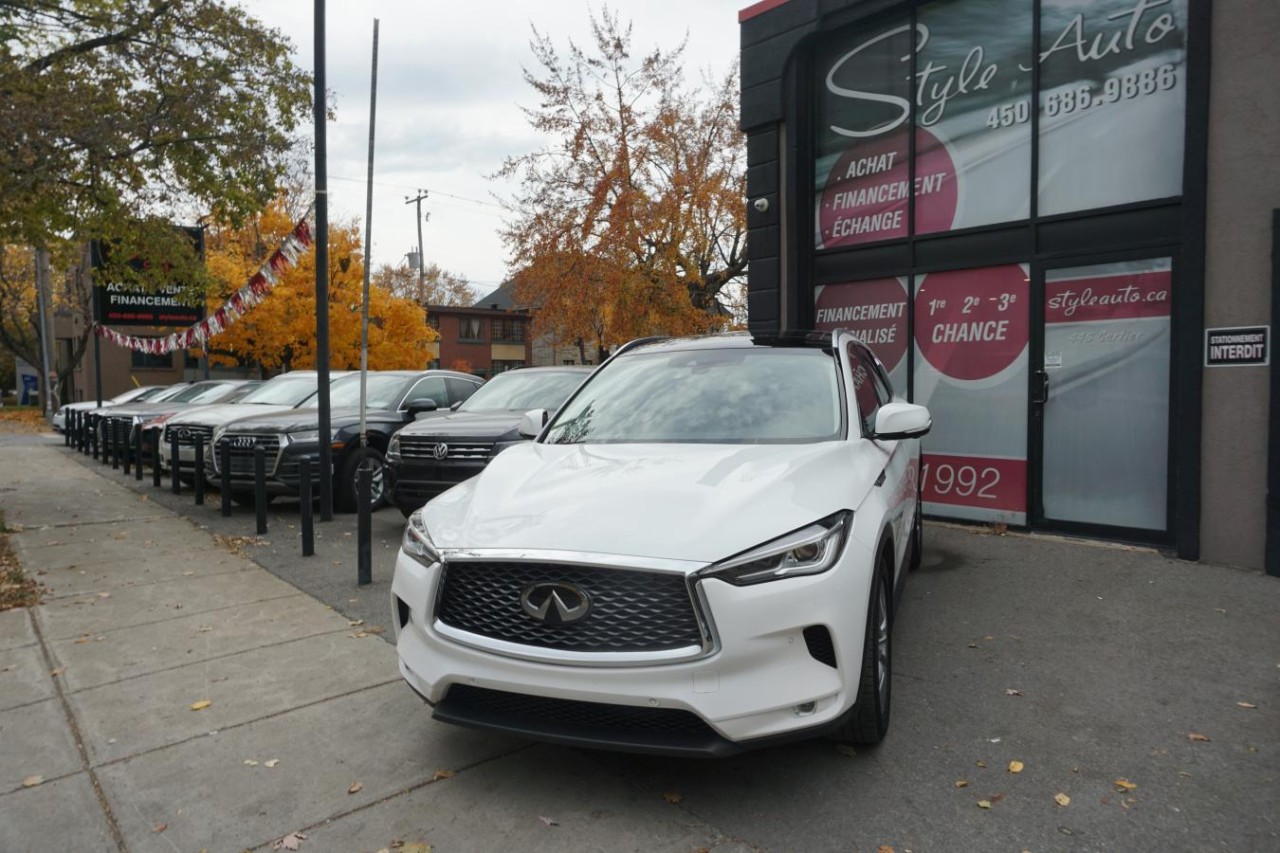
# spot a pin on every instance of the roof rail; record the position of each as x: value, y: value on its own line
x: 630, y: 345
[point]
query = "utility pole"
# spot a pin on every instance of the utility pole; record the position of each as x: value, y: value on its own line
x: 418, y: 199
x: 322, y: 268
x: 43, y: 300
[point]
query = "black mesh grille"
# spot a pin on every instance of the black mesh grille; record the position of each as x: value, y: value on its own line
x: 821, y: 649
x: 588, y: 720
x: 631, y: 611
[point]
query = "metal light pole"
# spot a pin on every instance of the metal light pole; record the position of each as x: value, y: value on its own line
x: 322, y: 271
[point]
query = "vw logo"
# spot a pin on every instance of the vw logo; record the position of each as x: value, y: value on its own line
x: 242, y: 441
x: 555, y: 603
x: 441, y: 451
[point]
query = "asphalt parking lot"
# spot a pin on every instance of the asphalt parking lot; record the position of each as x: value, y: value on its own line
x: 1138, y: 695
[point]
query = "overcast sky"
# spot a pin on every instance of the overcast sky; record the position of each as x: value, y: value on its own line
x: 449, y: 98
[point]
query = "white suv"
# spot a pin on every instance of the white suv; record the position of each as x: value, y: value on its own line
x: 699, y: 554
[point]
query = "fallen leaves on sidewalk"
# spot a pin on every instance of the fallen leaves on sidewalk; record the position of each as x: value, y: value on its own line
x: 442, y: 774
x: 1196, y: 737
x: 32, y: 781
x: 160, y: 827
x: 548, y: 821
x: 1062, y: 800
x: 1015, y: 766
x: 356, y: 787
x: 272, y: 763
x: 1248, y: 706
x: 201, y: 705
x: 292, y: 841
x: 672, y: 797
x: 1009, y: 691
x: 16, y: 589
x: 1123, y: 785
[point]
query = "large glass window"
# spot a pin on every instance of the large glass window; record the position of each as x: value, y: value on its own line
x: 972, y: 329
x: 875, y: 312
x: 1112, y: 102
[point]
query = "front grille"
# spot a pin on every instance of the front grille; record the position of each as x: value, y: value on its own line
x: 622, y: 726
x: 119, y: 429
x: 424, y: 447
x: 242, y: 446
x: 186, y: 434
x: 631, y: 610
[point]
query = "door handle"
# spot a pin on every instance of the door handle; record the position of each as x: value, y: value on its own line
x: 1040, y: 387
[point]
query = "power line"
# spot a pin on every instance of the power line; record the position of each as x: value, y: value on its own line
x: 427, y: 189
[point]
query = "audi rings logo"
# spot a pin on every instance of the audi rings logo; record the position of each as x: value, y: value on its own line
x: 441, y: 451
x: 555, y: 603
x: 241, y: 441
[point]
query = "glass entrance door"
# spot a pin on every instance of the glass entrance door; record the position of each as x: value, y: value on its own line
x: 1100, y: 396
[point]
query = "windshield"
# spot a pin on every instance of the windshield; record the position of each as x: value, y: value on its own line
x: 136, y: 395
x: 200, y: 392
x: 381, y: 391
x: 518, y: 391
x: 713, y: 396
x: 169, y: 393
x: 149, y: 395
x: 282, y: 391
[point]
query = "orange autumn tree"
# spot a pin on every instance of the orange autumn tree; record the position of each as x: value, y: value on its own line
x: 279, y: 334
x: 631, y: 220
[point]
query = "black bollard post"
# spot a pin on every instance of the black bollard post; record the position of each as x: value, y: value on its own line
x: 364, y: 559
x: 308, y: 511
x: 128, y: 457
x: 117, y: 450
x: 199, y: 475
x: 105, y: 429
x: 137, y: 449
x: 224, y: 483
x: 93, y: 437
x: 66, y: 430
x: 176, y: 483
x: 155, y: 473
x: 260, y: 487
x: 72, y: 431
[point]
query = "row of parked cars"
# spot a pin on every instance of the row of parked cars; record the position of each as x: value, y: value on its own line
x: 425, y: 430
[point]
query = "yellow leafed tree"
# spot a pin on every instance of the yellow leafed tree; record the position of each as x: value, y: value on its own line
x: 279, y: 334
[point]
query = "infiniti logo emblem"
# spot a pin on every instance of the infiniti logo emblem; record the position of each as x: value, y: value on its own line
x: 555, y: 603
x: 441, y: 450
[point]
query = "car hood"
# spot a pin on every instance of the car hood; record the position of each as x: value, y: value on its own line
x: 220, y: 413
x: 700, y: 503
x: 292, y: 420
x: 449, y: 424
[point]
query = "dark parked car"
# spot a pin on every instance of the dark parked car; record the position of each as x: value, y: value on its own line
x: 393, y: 399
x: 436, y: 453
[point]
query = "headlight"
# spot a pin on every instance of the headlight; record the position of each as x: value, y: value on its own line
x: 217, y: 435
x: 307, y: 435
x: 807, y: 551
x: 417, y: 542
x: 393, y: 446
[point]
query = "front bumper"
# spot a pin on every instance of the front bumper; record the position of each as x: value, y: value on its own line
x: 761, y: 681
x: 411, y: 483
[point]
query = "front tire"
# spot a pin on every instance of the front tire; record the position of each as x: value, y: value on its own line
x: 346, y: 497
x: 868, y: 721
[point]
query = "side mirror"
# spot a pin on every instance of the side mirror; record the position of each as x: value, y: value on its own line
x: 902, y: 420
x: 533, y: 422
x: 426, y: 404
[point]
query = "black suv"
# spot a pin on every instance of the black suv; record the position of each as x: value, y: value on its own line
x: 393, y: 399
x: 438, y: 452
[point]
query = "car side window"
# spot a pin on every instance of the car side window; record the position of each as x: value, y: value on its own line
x: 869, y: 390
x: 430, y: 388
x: 460, y: 389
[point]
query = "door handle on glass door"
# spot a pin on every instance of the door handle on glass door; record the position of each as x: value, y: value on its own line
x: 1040, y: 392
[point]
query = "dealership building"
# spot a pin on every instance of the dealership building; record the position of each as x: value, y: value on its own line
x: 1056, y: 222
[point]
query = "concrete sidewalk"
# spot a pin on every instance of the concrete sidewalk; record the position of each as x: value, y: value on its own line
x: 307, y: 726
